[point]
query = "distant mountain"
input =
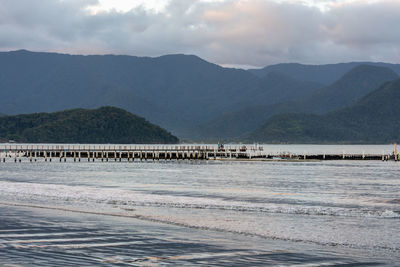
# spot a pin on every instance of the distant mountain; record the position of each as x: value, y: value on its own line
x: 355, y: 84
x: 346, y: 91
x: 173, y: 90
x: 373, y: 119
x: 324, y: 74
x: 103, y: 125
x: 2, y: 115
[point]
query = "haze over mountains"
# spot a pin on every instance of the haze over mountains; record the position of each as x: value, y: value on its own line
x: 188, y: 96
x: 347, y: 90
x: 324, y: 74
x: 373, y: 119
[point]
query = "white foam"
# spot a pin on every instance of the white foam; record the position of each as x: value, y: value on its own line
x: 122, y: 198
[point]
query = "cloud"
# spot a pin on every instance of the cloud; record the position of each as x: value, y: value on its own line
x: 227, y: 32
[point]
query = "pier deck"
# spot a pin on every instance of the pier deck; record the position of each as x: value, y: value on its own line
x: 105, y: 153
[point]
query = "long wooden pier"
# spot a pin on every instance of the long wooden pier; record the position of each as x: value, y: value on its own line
x: 132, y: 153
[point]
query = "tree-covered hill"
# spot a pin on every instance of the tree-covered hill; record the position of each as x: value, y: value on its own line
x: 103, y: 125
x: 373, y: 119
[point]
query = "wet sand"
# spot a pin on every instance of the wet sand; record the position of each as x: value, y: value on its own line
x: 43, y: 237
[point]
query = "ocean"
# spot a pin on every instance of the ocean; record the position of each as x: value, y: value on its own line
x: 211, y: 213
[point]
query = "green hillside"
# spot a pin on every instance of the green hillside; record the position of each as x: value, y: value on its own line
x: 103, y: 125
x: 373, y: 119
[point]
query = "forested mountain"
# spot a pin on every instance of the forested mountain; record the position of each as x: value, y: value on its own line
x: 103, y: 125
x: 170, y: 89
x: 178, y: 92
x: 373, y: 119
x: 355, y: 84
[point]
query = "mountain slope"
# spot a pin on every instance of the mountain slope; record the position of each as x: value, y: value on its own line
x: 103, y: 125
x: 373, y: 119
x: 276, y: 87
x: 346, y: 91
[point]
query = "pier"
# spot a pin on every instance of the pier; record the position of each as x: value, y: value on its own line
x: 132, y: 153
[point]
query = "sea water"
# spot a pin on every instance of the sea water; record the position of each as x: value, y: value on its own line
x: 200, y: 212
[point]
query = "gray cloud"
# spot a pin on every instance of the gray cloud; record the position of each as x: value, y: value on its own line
x: 231, y: 32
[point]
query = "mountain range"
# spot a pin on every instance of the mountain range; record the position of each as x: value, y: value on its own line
x: 190, y: 97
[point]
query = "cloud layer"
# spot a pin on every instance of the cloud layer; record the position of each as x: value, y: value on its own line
x: 227, y: 32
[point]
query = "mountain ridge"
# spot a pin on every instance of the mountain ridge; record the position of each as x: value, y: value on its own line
x: 324, y: 74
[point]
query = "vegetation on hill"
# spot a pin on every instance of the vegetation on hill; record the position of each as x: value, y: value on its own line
x: 346, y: 91
x: 373, y: 119
x: 103, y: 125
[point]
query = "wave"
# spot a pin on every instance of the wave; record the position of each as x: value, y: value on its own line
x: 170, y: 221
x: 125, y: 199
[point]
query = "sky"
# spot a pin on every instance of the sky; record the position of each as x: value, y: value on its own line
x: 239, y: 33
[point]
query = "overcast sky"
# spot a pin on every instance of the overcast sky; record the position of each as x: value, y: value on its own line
x: 227, y: 32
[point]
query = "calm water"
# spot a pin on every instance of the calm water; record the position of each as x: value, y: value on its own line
x: 211, y: 213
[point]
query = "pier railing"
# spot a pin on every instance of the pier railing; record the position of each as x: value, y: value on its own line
x: 105, y: 153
